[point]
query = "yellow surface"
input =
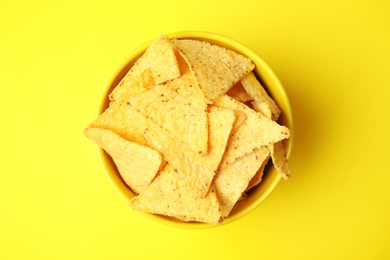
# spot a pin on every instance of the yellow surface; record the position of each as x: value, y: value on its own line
x: 334, y: 61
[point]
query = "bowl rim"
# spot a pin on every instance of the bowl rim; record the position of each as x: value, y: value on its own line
x: 224, y: 41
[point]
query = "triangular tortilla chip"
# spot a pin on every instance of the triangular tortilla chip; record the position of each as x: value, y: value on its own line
x: 215, y: 68
x: 193, y: 168
x: 124, y: 120
x: 157, y: 65
x: 279, y: 158
x: 233, y: 180
x: 256, y: 131
x: 168, y: 195
x: 178, y: 106
x: 137, y: 164
x: 278, y: 151
x: 259, y: 94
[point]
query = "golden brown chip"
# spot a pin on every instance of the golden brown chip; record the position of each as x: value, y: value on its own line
x: 146, y: 80
x: 168, y: 195
x: 256, y: 131
x: 233, y: 180
x: 198, y: 170
x: 178, y: 106
x: 277, y: 150
x: 258, y: 176
x: 123, y: 120
x: 244, y: 195
x: 216, y: 69
x: 263, y: 108
x: 137, y: 164
x: 258, y: 93
x: 240, y: 120
x: 238, y: 93
x: 278, y: 154
x: 160, y: 64
x: 182, y: 63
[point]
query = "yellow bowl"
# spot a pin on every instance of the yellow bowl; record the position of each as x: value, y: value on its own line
x: 271, y: 84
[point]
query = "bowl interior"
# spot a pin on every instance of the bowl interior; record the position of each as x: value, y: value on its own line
x: 270, y: 82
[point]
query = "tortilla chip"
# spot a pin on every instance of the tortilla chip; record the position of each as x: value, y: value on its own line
x: 258, y: 176
x: 182, y: 63
x: 256, y: 131
x: 263, y: 108
x: 216, y: 69
x: 240, y: 120
x: 168, y: 195
x: 238, y: 93
x: 232, y: 181
x: 278, y: 151
x: 279, y: 158
x: 244, y: 195
x: 146, y: 79
x: 196, y: 169
x: 137, y: 164
x: 178, y: 106
x: 123, y: 120
x: 159, y: 59
x: 259, y: 94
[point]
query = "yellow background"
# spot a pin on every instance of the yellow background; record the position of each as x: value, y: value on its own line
x: 333, y: 58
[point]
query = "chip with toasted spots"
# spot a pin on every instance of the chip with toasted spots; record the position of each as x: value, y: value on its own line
x: 157, y: 65
x: 278, y: 151
x: 255, y: 132
x: 198, y: 170
x: 169, y: 195
x: 215, y: 68
x: 137, y: 164
x: 259, y: 94
x: 178, y: 106
x: 232, y: 181
x: 123, y: 120
x: 263, y: 108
